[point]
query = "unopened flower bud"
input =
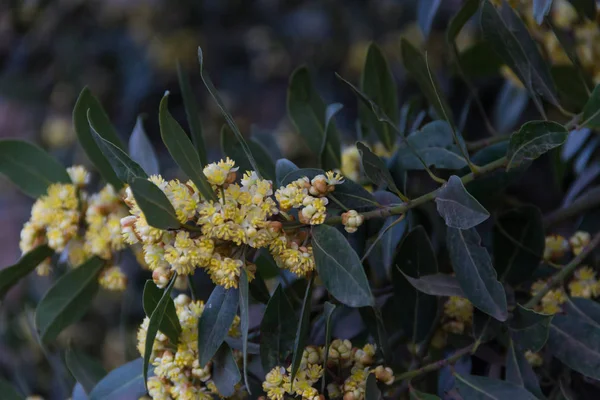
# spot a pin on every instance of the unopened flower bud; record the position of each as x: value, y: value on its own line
x: 318, y: 186
x: 231, y: 177
x: 555, y: 248
x: 182, y: 300
x: 352, y: 220
x: 161, y: 277
x: 384, y: 374
x: 181, y: 282
x: 578, y: 241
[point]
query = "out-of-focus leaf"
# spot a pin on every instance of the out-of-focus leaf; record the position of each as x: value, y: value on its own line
x: 244, y: 321
x: 575, y: 142
x: 182, y: 150
x: 79, y: 393
x: 29, y: 167
x: 123, y: 383
x: 541, y: 8
x: 458, y: 208
x: 68, y: 300
x: 192, y: 113
x: 509, y: 106
x: 534, y: 139
x: 372, y: 392
x: 591, y: 111
x: 278, y: 330
x: 328, y: 309
x: 570, y: 87
x: 480, y: 61
x: 232, y: 148
x: 225, y: 371
x: 378, y: 83
x: 475, y: 273
x: 519, y: 242
x: 340, y: 268
x: 302, y: 330
x: 155, y: 205
x: 586, y: 8
x: 417, y: 395
x: 519, y: 371
x: 381, y: 257
x: 482, y: 388
x: 141, y: 150
x: 9, y: 276
x: 87, y: 371
x: 459, y: 20
x: 416, y: 259
x: 331, y: 157
x: 586, y: 309
x: 436, y: 285
x: 283, y: 166
x: 169, y: 325
x: 9, y: 392
x: 529, y: 328
x: 375, y: 168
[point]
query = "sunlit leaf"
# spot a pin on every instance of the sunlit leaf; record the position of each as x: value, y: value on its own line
x: 169, y: 325
x: 155, y: 205
x: 534, y: 139
x: 141, y: 150
x: 123, y: 383
x: 9, y: 276
x: 458, y: 208
x: 87, y: 371
x: 278, y: 330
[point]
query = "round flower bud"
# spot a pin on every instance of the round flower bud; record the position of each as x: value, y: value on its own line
x: 555, y: 248
x: 384, y: 374
x: 161, y: 277
x: 578, y: 241
x: 318, y: 186
x: 352, y: 220
x: 534, y: 359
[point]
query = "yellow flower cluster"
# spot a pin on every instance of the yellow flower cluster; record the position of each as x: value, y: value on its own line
x: 534, y: 359
x: 458, y: 314
x: 350, y: 363
x: 584, y: 283
x: 69, y: 219
x: 555, y: 248
x: 177, y: 372
x: 552, y: 301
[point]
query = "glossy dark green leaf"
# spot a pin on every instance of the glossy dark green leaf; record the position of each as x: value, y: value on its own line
x: 340, y: 268
x: 123, y: 383
x: 302, y: 329
x: 266, y: 265
x: 258, y: 289
x: 378, y: 83
x: 459, y: 20
x: 458, y: 208
x: 9, y: 392
x: 9, y: 276
x: 169, y: 325
x: 68, y: 300
x: 328, y: 309
x: 529, y: 328
x: 29, y: 167
x: 519, y: 242
x: 233, y: 149
x: 141, y: 150
x: 591, y: 111
x: 519, y: 371
x: 86, y: 370
x: 374, y: 322
x: 482, y: 388
x: 417, y: 67
x: 480, y: 61
x: 85, y: 102
x: 244, y: 320
x: 372, y: 392
x: 215, y: 321
x: 475, y: 273
x: 155, y: 205
x: 283, y: 166
x: 125, y: 168
x: 225, y: 371
x: 331, y: 157
x: 586, y: 8
x: 541, y: 8
x: 192, y: 113
x: 278, y: 331
x: 156, y: 321
x: 418, y: 395
x: 436, y: 285
x: 534, y: 139
x: 415, y: 258
x: 228, y: 118
x: 375, y: 168
x: 182, y: 150
x: 571, y: 88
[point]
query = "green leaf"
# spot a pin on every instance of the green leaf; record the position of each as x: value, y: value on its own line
x: 258, y: 289
x: 141, y: 150
x: 417, y: 395
x: 9, y: 276
x: 266, y: 265
x: 331, y: 157
x: 571, y: 87
x: 436, y: 285
x: 475, y: 273
x: 68, y: 300
x: 85, y: 102
x: 328, y: 309
x: 372, y: 392
x: 125, y: 168
x: 124, y: 382
x: 541, y: 8
x: 459, y: 20
x: 519, y: 371
x: 278, y: 331
x: 340, y: 268
x: 228, y: 118
x: 519, y: 242
x: 534, y: 139
x: 458, y: 208
x: 225, y: 371
x: 481, y: 388
x: 192, y: 113
x: 418, y: 69
x: 302, y: 330
x: 416, y: 310
x: 232, y: 148
x: 480, y: 61
x: 375, y: 168
x: 182, y: 150
x: 9, y: 392
x: 383, y: 250
x: 426, y: 10
x: 586, y: 8
x: 156, y: 321
x: 584, y: 308
x: 155, y: 205
x: 373, y: 320
x: 591, y: 111
x: 169, y: 325
x: 215, y: 321
x: 29, y: 167
x: 245, y: 321
x: 529, y: 328
x: 283, y: 167
x: 377, y: 82
x: 86, y: 370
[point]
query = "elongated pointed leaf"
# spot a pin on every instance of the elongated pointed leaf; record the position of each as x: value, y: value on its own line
x: 541, y: 8
x: 529, y: 328
x: 375, y: 168
x: 141, y: 150
x: 481, y: 388
x: 9, y: 276
x: 68, y: 300
x: 155, y: 205
x: 232, y: 148
x: 278, y: 330
x: 372, y: 392
x: 123, y: 383
x: 158, y: 314
x: 86, y: 101
x: 328, y: 309
x: 458, y: 208
x: 87, y: 371
x: 215, y: 321
x: 182, y: 150
x: 169, y: 325
x: 475, y: 273
x: 225, y: 371
x: 340, y: 268
x: 9, y: 392
x: 244, y: 321
x: 29, y: 167
x: 330, y: 155
x: 591, y: 111
x: 378, y: 83
x: 436, y: 285
x: 459, y: 20
x: 586, y: 309
x: 192, y: 113
x: 519, y: 371
x: 302, y: 329
x: 534, y: 139
x: 283, y: 166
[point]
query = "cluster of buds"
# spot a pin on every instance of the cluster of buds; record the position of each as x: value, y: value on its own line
x: 579, y: 241
x: 552, y: 301
x: 351, y: 220
x: 584, y: 283
x: 556, y: 247
x: 458, y: 315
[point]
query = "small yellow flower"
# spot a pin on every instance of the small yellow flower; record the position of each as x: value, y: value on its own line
x: 113, y: 278
x: 534, y: 359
